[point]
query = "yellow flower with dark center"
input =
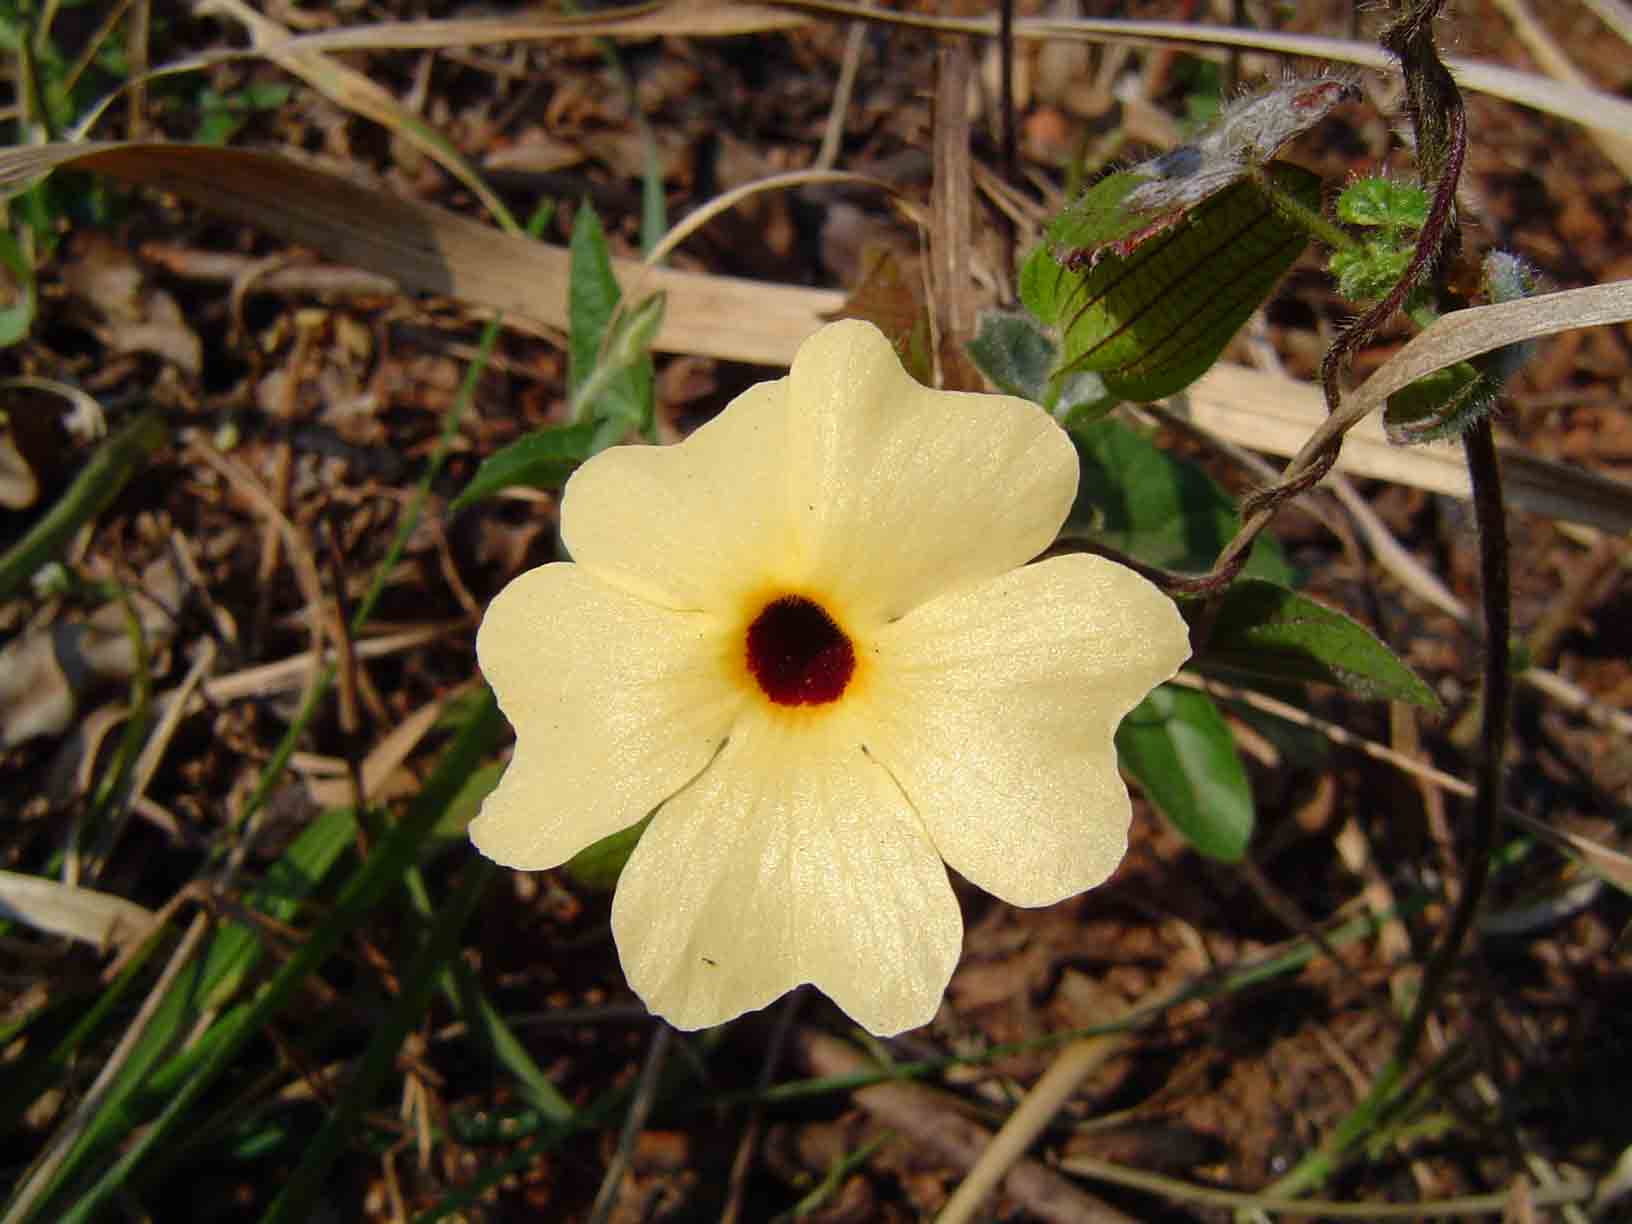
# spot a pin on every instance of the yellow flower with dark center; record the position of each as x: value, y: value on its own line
x: 808, y: 636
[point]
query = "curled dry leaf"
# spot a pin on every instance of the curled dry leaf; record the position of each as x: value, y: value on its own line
x: 46, y: 671
x: 135, y: 318
x: 84, y: 914
x: 19, y: 489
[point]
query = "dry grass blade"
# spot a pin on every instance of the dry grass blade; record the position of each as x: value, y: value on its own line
x: 1551, y: 56
x: 1047, y: 1097
x: 97, y: 918
x: 1275, y: 414
x: 728, y: 200
x: 384, y: 759
x: 1481, y: 329
x: 1591, y: 108
x: 1609, y: 865
x: 355, y: 92
x: 684, y: 18
x: 1616, y: 14
x: 430, y: 250
x: 38, y: 1179
x: 934, y: 1123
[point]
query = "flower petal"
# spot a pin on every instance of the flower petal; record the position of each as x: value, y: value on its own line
x: 996, y: 708
x: 691, y: 525
x: 794, y: 858
x: 617, y: 704
x: 846, y: 477
x: 904, y: 492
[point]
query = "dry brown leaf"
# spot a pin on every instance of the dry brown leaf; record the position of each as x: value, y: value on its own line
x: 46, y: 670
x: 352, y: 90
x: 683, y: 18
x: 381, y: 769
x: 135, y: 318
x: 93, y: 917
x: 19, y: 489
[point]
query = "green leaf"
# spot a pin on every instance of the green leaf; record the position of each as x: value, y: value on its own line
x: 1165, y: 511
x: 1266, y: 631
x: 1439, y: 405
x: 620, y: 390
x: 1369, y: 271
x: 1152, y: 321
x: 18, y: 317
x: 621, y: 396
x: 1178, y: 746
x: 298, y: 1196
x: 93, y: 490
x: 598, y: 867
x: 541, y: 460
x: 200, y: 1066
x: 146, y: 1081
x: 462, y: 808
x: 1445, y: 403
x: 1383, y: 202
x: 592, y: 295
x: 1100, y: 217
x: 1011, y: 351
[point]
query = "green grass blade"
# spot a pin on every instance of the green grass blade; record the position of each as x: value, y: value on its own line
x: 110, y: 469
x: 383, y: 869
x: 490, y: 1029
x: 147, y: 1077
x: 298, y: 1201
x: 26, y: 1078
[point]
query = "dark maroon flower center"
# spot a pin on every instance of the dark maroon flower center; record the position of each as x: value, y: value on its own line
x: 798, y: 655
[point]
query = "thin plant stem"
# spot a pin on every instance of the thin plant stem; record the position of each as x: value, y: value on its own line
x: 634, y: 1122
x: 1190, y: 1192
x: 1489, y: 511
x: 451, y: 421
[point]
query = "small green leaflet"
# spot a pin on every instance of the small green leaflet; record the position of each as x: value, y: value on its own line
x: 1178, y: 747
x: 1264, y: 631
x: 1445, y: 403
x: 1385, y: 203
x: 1018, y: 359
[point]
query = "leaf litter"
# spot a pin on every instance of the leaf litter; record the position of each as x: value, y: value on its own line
x: 1226, y: 1085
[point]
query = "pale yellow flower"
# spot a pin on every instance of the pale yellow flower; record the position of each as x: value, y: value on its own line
x: 807, y: 635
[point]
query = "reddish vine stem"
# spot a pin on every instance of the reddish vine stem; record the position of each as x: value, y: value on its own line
x: 1440, y: 122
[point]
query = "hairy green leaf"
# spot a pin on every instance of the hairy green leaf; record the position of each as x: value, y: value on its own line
x: 1152, y: 321
x: 1013, y: 352
x: 1383, y: 202
x: 626, y: 395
